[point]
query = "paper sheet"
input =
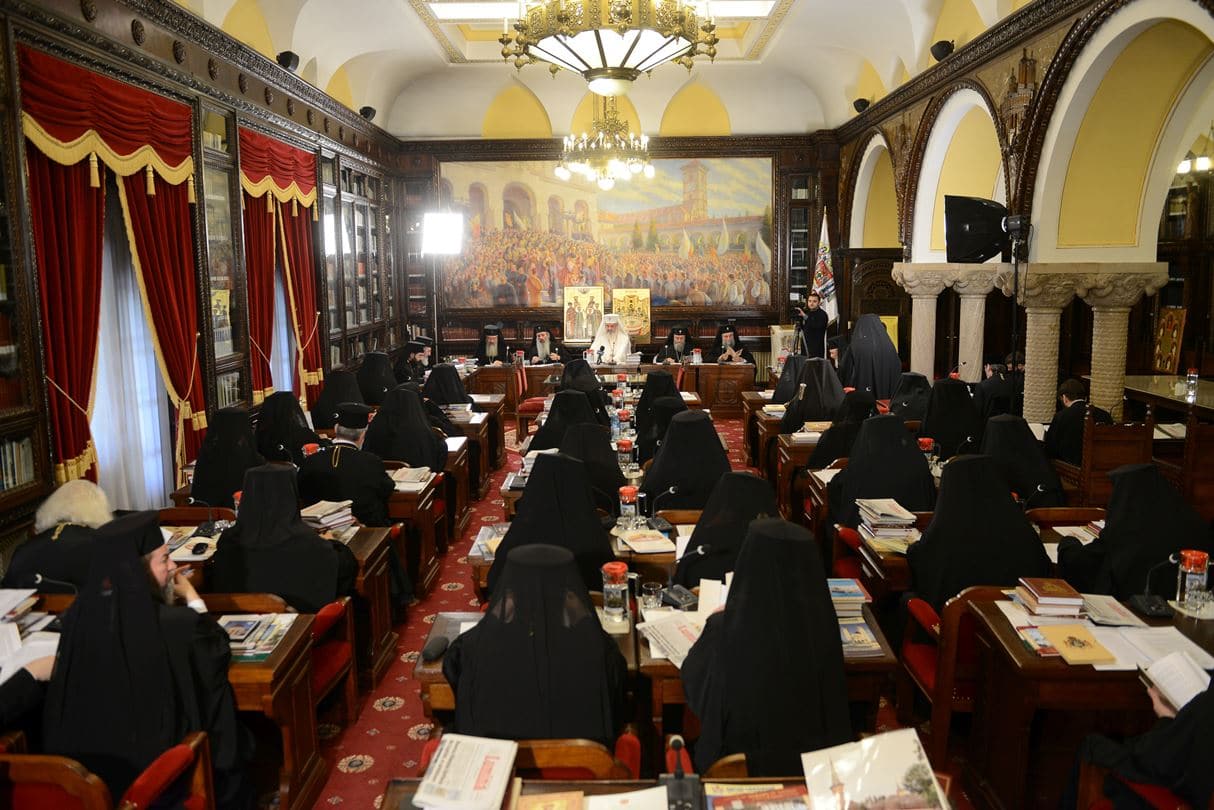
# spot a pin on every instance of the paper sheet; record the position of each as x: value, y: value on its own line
x: 37, y: 645
x: 825, y: 475
x: 10, y: 598
x: 1038, y: 429
x: 464, y: 627
x: 1156, y: 642
x: 653, y: 798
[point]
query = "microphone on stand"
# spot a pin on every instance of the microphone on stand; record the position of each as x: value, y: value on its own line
x: 599, y: 357
x: 206, y: 529
x: 1147, y: 603
x: 39, y: 579
x: 656, y: 523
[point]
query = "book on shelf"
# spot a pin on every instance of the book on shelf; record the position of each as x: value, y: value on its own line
x: 1178, y: 678
x: 858, y: 639
x: 467, y: 773
x: 884, y: 770
x: 254, y: 636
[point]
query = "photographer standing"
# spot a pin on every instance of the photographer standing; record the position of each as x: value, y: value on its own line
x: 813, y: 323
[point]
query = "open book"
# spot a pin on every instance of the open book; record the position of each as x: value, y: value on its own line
x: 885, y: 770
x: 1177, y: 677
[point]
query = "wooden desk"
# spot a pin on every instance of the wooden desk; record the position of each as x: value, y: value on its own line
x: 752, y: 404
x: 500, y: 380
x: 767, y: 432
x: 495, y: 406
x: 437, y: 694
x: 477, y: 431
x: 1030, y: 713
x: 720, y: 386
x: 816, y: 509
x: 867, y: 678
x: 400, y: 792
x: 419, y: 546
x: 540, y: 382
x: 459, y: 489
x: 884, y: 574
x: 790, y: 457
x: 510, y: 498
x: 1158, y: 391
x: 375, y: 638
x: 280, y: 688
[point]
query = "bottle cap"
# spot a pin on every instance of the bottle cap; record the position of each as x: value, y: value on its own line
x: 625, y: 414
x: 1193, y: 559
x: 628, y: 494
x: 616, y: 569
x: 624, y: 444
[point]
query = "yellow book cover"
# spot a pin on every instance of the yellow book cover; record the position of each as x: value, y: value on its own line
x: 1076, y: 644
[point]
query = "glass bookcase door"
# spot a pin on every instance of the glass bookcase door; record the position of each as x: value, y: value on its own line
x: 377, y: 288
x: 350, y: 273
x: 217, y: 186
x: 13, y: 392
x: 364, y: 271
x: 332, y: 265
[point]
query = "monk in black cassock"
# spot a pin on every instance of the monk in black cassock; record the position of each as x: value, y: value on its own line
x: 664, y: 411
x: 994, y: 393
x: 340, y: 386
x: 676, y: 349
x: 401, y: 432
x: 579, y: 376
x: 712, y: 551
x: 435, y: 415
x: 444, y: 387
x: 569, y: 408
x: 375, y: 377
x: 271, y: 549
x: 885, y: 462
x: 657, y: 384
x: 1021, y: 459
x: 691, y: 459
x: 590, y: 443
x: 344, y: 471
x: 409, y: 365
x: 728, y: 348
x: 951, y: 419
x: 62, y: 547
x: 282, y: 429
x: 871, y: 362
x: 491, y: 350
x: 228, y: 449
x: 814, y: 322
x: 910, y: 397
x: 978, y: 535
x: 766, y: 676
x: 543, y: 347
x: 837, y: 440
x: 136, y: 672
x: 1064, y: 436
x: 557, y: 508
x: 786, y: 386
x: 1146, y: 520
x: 539, y: 664
x: 817, y: 399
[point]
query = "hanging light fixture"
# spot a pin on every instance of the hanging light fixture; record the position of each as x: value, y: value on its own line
x: 608, y: 154
x: 608, y: 42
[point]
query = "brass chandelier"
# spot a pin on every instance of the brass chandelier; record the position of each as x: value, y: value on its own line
x: 608, y: 42
x: 608, y: 154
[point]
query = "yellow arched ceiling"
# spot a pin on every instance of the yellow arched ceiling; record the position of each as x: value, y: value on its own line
x: 583, y: 116
x: 881, y: 212
x: 695, y: 110
x: 971, y: 166
x: 1107, y: 173
x: 869, y: 84
x: 958, y: 21
x: 246, y: 23
x: 339, y: 87
x: 516, y: 113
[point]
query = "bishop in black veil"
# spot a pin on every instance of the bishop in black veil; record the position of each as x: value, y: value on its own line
x: 401, y: 432
x: 539, y: 664
x: 951, y: 419
x: 1021, y: 458
x: 1146, y: 520
x: 885, y: 462
x: 676, y: 348
x: 491, y: 349
x: 871, y: 362
x: 766, y: 676
x: 910, y: 397
x: 444, y: 387
x: 712, y: 551
x: 435, y: 415
x: 657, y: 384
x: 837, y: 440
x: 569, y: 408
x: 786, y: 386
x: 691, y: 459
x: 818, y: 398
x: 228, y: 450
x: 271, y: 549
x: 375, y: 377
x: 557, y: 508
x: 590, y: 443
x: 664, y: 411
x: 978, y: 535
x: 282, y: 429
x: 340, y: 386
x: 409, y: 366
x: 579, y: 376
x: 62, y: 547
x: 543, y: 347
x: 728, y: 348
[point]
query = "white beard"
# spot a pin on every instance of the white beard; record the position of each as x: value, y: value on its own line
x: 541, y: 349
x: 490, y: 350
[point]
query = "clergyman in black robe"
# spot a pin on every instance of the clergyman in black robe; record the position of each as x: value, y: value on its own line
x: 228, y: 449
x: 676, y: 348
x: 344, y: 471
x: 62, y: 547
x: 543, y: 347
x: 728, y: 348
x: 837, y: 440
x: 569, y: 408
x: 590, y: 443
x: 691, y: 459
x: 909, y: 400
x: 818, y: 398
x: 657, y: 384
x: 282, y: 429
x: 664, y: 411
x: 491, y: 349
x: 871, y: 362
x: 885, y: 462
x: 375, y: 377
x: 1009, y: 441
x: 409, y: 365
x: 401, y: 432
x: 579, y: 376
x: 340, y: 386
x: 712, y: 549
x: 951, y: 419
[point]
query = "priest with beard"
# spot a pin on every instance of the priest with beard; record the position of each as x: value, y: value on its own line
x: 728, y: 347
x: 491, y: 351
x: 611, y: 344
x: 427, y: 350
x: 410, y: 366
x: 543, y: 348
x: 676, y: 349
x: 344, y: 471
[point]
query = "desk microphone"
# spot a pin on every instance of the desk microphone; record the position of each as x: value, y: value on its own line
x: 683, y: 790
x: 661, y: 524
x: 435, y: 648
x: 39, y: 579
x: 1148, y: 604
x: 1040, y: 490
x: 673, y: 489
x: 598, y: 360
x: 206, y: 529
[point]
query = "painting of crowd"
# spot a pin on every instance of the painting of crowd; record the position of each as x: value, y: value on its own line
x: 529, y: 268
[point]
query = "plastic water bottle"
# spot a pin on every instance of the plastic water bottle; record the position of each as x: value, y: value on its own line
x: 628, y: 507
x: 615, y: 591
x: 615, y: 423
x: 623, y: 449
x: 1190, y: 385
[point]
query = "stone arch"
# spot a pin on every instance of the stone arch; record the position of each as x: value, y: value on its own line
x: 871, y: 205
x: 518, y: 207
x: 478, y: 206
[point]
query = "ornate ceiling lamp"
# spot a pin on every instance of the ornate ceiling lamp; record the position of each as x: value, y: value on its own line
x: 608, y: 154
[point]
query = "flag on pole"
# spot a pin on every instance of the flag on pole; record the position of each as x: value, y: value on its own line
x: 723, y: 241
x: 824, y: 277
x: 685, y: 247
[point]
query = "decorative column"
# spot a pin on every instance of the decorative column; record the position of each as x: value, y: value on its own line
x: 924, y: 287
x: 1044, y: 292
x: 972, y: 282
x: 1111, y: 291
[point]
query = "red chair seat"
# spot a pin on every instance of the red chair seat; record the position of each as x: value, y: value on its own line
x: 441, y: 506
x: 532, y: 405
x: 920, y: 659
x: 328, y: 660
x: 1157, y: 796
x: 846, y: 568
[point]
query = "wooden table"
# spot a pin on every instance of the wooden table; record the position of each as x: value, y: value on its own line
x: 280, y: 688
x: 1159, y: 392
x: 720, y: 385
x: 867, y: 678
x: 510, y: 497
x: 399, y: 795
x: 459, y: 489
x: 501, y: 380
x: 375, y: 638
x: 437, y: 694
x: 495, y: 406
x: 752, y: 404
x: 476, y: 430
x: 767, y: 432
x: 419, y: 548
x: 791, y: 456
x: 1030, y: 713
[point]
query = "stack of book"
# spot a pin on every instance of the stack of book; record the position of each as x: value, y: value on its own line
x: 848, y: 596
x: 459, y: 412
x: 886, y: 526
x: 254, y: 636
x: 328, y: 515
x: 858, y: 638
x: 1043, y: 596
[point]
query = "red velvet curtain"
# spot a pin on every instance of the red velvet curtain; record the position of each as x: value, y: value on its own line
x: 259, y: 251
x: 163, y: 247
x: 68, y: 222
x: 305, y: 308
x: 262, y: 156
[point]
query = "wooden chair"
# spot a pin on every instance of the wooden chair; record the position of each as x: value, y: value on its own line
x: 944, y: 668
x: 1197, y: 469
x: 193, y: 515
x: 730, y: 767
x: 568, y: 759
x: 676, y: 516
x: 1091, y: 791
x: 1047, y: 517
x: 1105, y: 448
x: 29, y: 781
x: 527, y: 409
